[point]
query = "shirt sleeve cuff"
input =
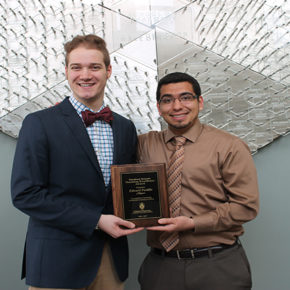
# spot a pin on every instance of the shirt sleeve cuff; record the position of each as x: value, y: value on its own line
x: 204, y: 222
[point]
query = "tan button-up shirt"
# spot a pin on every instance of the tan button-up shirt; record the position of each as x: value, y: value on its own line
x: 219, y: 183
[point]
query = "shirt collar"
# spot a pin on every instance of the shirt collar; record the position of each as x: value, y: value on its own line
x: 192, y: 134
x: 80, y: 107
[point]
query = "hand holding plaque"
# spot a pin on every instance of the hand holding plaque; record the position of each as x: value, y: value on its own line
x: 140, y: 193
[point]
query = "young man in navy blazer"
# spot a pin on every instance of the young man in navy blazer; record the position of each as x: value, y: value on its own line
x: 61, y: 179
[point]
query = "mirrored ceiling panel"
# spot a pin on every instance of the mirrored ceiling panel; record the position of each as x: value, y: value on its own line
x: 237, y: 99
x: 147, y: 12
x: 239, y: 51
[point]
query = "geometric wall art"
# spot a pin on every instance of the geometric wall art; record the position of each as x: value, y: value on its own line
x: 239, y: 51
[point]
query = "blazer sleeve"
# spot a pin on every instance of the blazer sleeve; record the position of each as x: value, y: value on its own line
x: 30, y: 185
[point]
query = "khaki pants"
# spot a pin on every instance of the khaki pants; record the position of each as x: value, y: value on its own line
x: 106, y: 278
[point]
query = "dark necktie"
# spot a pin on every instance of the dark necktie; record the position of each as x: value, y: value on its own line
x: 90, y: 117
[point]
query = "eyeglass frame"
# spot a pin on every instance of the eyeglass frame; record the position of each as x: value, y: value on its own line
x: 179, y: 98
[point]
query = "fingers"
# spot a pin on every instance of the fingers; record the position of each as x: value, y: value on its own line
x: 117, y: 227
x: 165, y: 221
x: 130, y: 232
x: 165, y: 225
x: 126, y: 224
x: 119, y: 231
x: 130, y: 228
x: 176, y: 224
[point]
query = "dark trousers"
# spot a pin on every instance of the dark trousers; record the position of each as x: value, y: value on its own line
x: 225, y: 270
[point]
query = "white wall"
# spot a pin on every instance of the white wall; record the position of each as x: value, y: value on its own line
x: 12, y: 223
x: 266, y: 240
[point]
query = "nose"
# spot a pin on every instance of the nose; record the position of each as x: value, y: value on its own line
x: 85, y: 74
x: 176, y: 105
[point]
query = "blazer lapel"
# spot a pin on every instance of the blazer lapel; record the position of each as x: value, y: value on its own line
x: 77, y: 128
x: 116, y: 136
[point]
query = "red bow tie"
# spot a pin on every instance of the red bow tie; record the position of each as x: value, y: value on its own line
x: 90, y: 117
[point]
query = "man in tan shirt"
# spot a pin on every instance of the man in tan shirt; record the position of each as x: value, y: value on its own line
x: 219, y: 193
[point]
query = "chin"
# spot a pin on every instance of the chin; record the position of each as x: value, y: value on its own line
x: 87, y: 97
x: 180, y: 126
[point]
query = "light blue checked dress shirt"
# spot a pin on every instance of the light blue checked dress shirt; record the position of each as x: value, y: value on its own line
x: 101, y: 136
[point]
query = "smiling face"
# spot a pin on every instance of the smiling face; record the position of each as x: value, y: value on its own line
x: 87, y: 76
x: 178, y: 116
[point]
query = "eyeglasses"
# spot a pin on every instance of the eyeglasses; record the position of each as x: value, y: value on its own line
x: 184, y: 99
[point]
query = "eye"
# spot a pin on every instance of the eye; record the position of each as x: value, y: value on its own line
x: 96, y: 67
x: 75, y: 67
x: 166, y: 100
x: 187, y: 98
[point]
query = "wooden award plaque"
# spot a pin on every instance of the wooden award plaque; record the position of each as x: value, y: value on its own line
x: 140, y: 193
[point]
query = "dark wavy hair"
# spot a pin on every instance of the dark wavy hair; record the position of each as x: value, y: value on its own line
x: 178, y: 77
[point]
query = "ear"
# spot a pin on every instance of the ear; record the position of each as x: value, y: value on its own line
x: 158, y: 108
x: 200, y: 103
x: 109, y: 71
x: 66, y: 73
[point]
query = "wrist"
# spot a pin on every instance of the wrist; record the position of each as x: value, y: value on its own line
x: 98, y: 223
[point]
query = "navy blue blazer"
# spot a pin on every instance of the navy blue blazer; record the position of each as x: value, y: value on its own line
x: 57, y: 181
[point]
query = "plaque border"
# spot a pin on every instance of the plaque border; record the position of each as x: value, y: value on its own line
x: 117, y: 194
